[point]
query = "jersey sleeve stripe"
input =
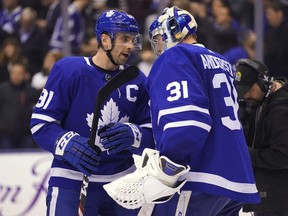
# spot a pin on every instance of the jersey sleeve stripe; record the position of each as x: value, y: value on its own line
x: 187, y: 123
x: 36, y: 128
x: 181, y: 109
x: 71, y: 174
x: 147, y: 125
x: 43, y: 117
x: 219, y: 181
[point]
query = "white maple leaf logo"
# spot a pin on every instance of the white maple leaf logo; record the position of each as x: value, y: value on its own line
x: 109, y: 113
x: 109, y: 13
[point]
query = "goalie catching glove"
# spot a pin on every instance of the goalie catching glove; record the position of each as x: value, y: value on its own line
x: 117, y: 137
x: 76, y: 151
x: 154, y: 181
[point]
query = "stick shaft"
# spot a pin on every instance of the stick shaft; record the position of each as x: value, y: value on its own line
x: 120, y: 79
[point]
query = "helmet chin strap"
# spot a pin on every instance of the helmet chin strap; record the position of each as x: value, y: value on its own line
x: 108, y: 53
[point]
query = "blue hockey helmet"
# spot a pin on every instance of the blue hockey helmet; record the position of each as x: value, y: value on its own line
x: 176, y: 24
x: 113, y: 21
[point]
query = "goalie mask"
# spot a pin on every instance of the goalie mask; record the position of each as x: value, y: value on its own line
x: 176, y: 25
x: 155, y: 36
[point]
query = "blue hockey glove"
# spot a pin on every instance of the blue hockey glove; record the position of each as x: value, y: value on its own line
x: 117, y: 137
x: 76, y: 151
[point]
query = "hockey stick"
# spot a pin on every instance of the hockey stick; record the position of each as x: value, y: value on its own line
x: 120, y: 79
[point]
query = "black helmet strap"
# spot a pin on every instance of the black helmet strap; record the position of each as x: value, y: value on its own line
x: 108, y: 52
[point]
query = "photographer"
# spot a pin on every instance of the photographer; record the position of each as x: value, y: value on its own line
x: 264, y: 118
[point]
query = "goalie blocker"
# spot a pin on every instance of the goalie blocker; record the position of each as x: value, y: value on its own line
x: 154, y: 181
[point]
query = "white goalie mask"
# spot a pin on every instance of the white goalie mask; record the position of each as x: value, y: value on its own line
x: 155, y: 35
x: 176, y: 24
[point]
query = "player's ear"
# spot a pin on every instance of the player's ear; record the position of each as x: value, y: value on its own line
x: 106, y: 42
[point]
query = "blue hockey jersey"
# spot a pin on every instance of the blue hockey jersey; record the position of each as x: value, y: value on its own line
x: 67, y: 103
x: 195, y: 121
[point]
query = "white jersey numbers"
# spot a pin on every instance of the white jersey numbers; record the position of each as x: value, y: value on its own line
x: 231, y: 122
x: 46, y: 96
x: 177, y: 90
x: 44, y: 99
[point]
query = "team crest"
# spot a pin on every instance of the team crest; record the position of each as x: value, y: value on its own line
x: 109, y: 113
x: 109, y: 13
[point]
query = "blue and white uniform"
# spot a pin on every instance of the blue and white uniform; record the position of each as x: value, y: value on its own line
x: 67, y: 103
x: 195, y: 121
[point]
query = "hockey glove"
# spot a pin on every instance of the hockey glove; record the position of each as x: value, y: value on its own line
x: 117, y: 137
x: 153, y: 171
x: 75, y: 150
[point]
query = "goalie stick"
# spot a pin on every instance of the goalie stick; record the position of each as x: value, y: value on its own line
x: 120, y: 79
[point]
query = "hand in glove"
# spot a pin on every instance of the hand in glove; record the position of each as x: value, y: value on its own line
x: 76, y: 151
x: 152, y: 171
x: 117, y: 137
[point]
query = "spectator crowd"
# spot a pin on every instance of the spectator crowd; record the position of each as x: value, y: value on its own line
x: 32, y: 39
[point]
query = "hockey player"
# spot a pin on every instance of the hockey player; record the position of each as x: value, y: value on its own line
x: 200, y: 144
x: 195, y: 122
x: 62, y: 119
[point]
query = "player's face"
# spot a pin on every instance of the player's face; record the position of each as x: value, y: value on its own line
x: 254, y: 95
x: 124, y: 44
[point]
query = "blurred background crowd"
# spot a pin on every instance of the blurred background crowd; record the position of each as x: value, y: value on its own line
x: 34, y: 34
